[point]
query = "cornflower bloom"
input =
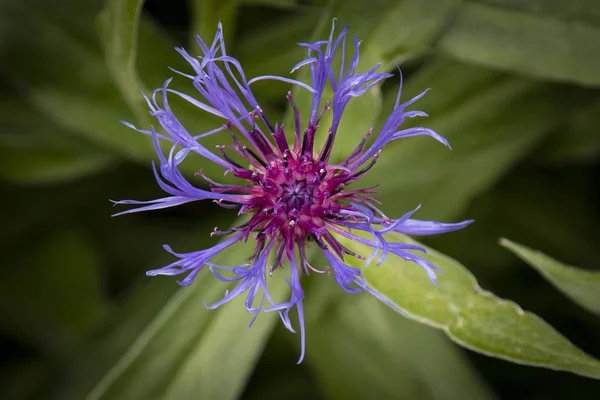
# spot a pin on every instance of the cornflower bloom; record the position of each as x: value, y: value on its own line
x: 292, y: 193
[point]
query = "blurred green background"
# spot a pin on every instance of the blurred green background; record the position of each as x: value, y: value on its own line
x: 514, y: 88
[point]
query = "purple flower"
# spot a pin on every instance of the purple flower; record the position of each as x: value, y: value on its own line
x: 293, y: 196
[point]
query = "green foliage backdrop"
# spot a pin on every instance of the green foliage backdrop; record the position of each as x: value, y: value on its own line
x: 515, y: 88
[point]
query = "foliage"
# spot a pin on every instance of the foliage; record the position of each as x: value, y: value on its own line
x: 514, y: 89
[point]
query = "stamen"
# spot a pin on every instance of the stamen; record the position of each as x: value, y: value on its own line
x: 358, y: 151
x: 368, y: 167
x: 265, y: 119
x: 227, y: 158
x: 327, y: 147
x: 297, y: 122
x: 254, y: 155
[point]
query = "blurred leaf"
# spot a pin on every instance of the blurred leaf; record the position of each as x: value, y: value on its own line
x: 76, y: 90
x: 34, y: 150
x: 272, y: 49
x: 207, y: 13
x: 582, y: 286
x: 471, y: 316
x: 491, y: 121
x: 271, y: 3
x: 406, y: 28
x: 389, y: 28
x: 577, y: 141
x: 361, y: 349
x: 541, y: 205
x: 40, y: 303
x: 185, y: 348
x: 557, y: 47
x: 579, y: 10
x: 119, y: 24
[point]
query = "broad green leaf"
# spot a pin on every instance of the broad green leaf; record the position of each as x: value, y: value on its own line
x: 471, y: 316
x: 39, y: 302
x: 554, y: 47
x: 119, y: 24
x: 360, y: 349
x: 182, y: 349
x: 582, y: 286
x: 578, y: 141
x: 35, y: 150
x: 491, y: 121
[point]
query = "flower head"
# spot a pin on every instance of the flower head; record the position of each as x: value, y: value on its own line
x: 292, y: 193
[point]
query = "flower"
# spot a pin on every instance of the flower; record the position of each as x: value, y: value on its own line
x: 293, y: 195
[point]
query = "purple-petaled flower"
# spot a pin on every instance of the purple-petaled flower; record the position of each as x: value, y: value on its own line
x: 293, y: 195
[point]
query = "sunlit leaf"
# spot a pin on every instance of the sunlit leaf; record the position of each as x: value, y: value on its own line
x: 471, y: 316
x: 582, y: 286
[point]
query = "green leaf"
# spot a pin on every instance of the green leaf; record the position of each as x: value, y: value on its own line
x: 119, y: 24
x: 181, y: 349
x: 582, y: 286
x: 578, y: 141
x: 407, y: 28
x: 564, y: 46
x: 207, y: 13
x: 271, y: 3
x: 578, y: 10
x: 361, y: 349
x: 471, y: 316
x: 35, y: 150
x: 272, y: 49
x: 491, y: 120
x: 76, y: 90
x: 390, y: 28
x: 39, y: 302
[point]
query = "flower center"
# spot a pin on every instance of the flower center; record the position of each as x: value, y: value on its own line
x: 295, y: 195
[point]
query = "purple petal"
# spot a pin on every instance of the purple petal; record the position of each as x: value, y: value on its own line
x: 415, y: 227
